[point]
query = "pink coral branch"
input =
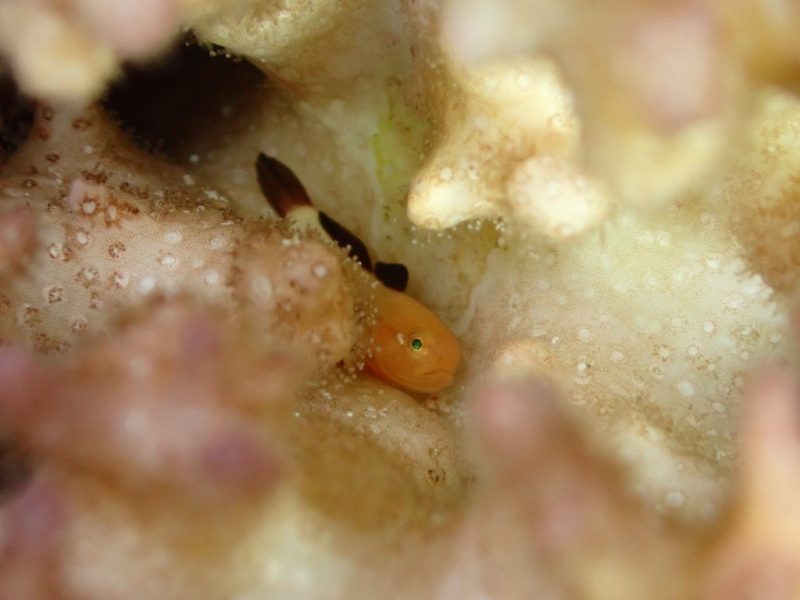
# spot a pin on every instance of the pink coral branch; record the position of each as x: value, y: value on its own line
x: 29, y: 551
x: 147, y: 408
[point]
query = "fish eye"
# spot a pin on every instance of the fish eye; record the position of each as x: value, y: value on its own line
x: 416, y: 344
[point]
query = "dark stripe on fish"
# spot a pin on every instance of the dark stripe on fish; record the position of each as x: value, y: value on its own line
x: 392, y: 275
x: 346, y: 239
x: 280, y: 185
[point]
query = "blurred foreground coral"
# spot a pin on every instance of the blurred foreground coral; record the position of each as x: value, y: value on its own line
x: 599, y: 200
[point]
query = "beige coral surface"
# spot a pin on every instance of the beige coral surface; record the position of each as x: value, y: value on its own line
x: 180, y: 372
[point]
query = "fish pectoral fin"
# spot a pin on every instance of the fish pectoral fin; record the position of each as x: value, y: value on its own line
x: 392, y: 275
x: 280, y: 185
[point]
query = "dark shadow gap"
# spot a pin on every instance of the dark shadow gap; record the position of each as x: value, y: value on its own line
x: 185, y: 96
x: 15, y: 470
x: 16, y: 116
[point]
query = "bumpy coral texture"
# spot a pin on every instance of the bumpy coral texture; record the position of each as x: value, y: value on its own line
x: 599, y: 200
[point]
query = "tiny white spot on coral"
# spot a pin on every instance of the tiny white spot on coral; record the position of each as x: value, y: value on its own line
x: 686, y: 388
x: 146, y: 285
x: 708, y: 327
x: 261, y: 289
x: 713, y: 261
x: 212, y: 278
x: 734, y: 302
x: 173, y: 237
x: 675, y: 499
x: 524, y: 81
x: 217, y: 242
x: 681, y: 276
x: 88, y: 206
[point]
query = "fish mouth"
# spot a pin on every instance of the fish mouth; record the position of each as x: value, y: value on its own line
x: 428, y: 382
x: 437, y: 374
x: 436, y: 380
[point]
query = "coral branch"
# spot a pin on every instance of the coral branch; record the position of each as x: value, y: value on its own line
x: 759, y: 555
x: 68, y: 50
x: 551, y: 519
x: 150, y: 407
x: 29, y: 551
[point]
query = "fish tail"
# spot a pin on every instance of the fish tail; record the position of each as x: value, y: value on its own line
x: 280, y: 185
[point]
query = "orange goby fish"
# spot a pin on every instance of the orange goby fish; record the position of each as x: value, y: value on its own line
x: 413, y: 348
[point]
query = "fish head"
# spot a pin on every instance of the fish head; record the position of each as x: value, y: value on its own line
x: 413, y: 348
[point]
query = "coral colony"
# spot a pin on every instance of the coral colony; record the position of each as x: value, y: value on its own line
x: 599, y: 200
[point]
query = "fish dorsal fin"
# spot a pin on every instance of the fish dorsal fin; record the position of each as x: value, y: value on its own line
x: 346, y: 239
x: 280, y: 185
x: 392, y: 275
